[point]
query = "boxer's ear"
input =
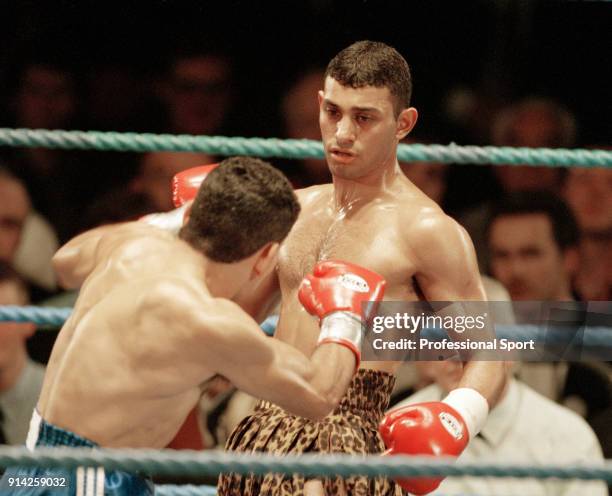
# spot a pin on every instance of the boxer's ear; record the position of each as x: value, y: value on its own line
x: 405, y: 122
x: 266, y: 259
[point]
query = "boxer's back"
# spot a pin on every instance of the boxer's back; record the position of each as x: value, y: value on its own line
x: 117, y: 352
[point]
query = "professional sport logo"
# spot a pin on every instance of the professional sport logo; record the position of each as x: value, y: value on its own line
x: 354, y: 282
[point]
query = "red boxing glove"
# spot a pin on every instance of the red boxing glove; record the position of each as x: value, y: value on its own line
x: 336, y: 286
x: 185, y: 184
x: 438, y: 428
x: 335, y: 293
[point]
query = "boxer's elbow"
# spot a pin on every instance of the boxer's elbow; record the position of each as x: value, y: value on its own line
x: 328, y: 396
x: 314, y: 401
x: 66, y: 270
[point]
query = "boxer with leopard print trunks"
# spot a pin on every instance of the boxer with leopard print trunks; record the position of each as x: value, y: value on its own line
x: 371, y: 215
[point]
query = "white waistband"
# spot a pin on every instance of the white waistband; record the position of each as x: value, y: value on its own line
x: 32, y: 438
x: 89, y: 480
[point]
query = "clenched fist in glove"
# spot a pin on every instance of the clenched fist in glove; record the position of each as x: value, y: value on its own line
x: 185, y: 186
x: 336, y: 292
x: 438, y: 428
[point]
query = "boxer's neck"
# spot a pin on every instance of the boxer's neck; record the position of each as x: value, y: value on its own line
x: 349, y: 193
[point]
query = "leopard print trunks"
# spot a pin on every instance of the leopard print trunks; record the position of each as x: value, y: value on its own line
x: 351, y: 428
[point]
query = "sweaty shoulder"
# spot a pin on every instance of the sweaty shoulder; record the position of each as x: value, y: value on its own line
x: 135, y: 240
x: 431, y: 225
x: 135, y: 252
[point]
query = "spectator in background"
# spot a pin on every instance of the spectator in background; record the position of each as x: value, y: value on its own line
x: 533, y: 243
x: 44, y: 95
x: 300, y: 115
x: 149, y: 190
x: 524, y: 426
x: 20, y: 378
x: 155, y: 172
x: 429, y: 177
x: 533, y: 246
x: 117, y: 98
x: 532, y: 123
x: 27, y: 241
x: 589, y: 194
x: 197, y: 93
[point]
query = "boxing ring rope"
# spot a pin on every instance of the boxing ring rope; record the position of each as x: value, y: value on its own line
x: 43, y: 316
x: 185, y: 490
x: 592, y: 336
x: 296, y: 149
x: 212, y: 462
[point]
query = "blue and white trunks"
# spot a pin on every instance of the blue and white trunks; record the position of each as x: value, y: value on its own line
x: 82, y: 481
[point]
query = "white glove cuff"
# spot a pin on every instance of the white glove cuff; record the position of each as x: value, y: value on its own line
x: 471, y: 405
x: 341, y: 326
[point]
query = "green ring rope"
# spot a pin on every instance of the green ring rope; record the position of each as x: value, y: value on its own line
x: 202, y: 463
x: 295, y: 149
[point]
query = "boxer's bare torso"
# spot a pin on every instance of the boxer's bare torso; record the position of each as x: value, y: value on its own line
x: 115, y: 375
x: 396, y: 231
x: 146, y: 333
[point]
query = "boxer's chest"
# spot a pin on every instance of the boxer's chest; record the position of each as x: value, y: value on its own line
x: 370, y: 238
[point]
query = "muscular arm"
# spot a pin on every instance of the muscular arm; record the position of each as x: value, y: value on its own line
x: 74, y: 261
x: 447, y: 270
x: 226, y: 341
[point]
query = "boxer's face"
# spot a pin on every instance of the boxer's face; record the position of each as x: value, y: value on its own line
x: 526, y: 259
x: 359, y: 129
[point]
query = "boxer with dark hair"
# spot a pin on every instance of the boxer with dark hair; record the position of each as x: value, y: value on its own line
x: 374, y: 216
x: 158, y: 315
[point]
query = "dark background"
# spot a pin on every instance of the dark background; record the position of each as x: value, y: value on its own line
x: 501, y: 49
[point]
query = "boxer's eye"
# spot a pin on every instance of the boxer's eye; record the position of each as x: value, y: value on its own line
x: 332, y: 112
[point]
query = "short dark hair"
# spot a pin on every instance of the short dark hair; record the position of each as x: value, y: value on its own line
x: 562, y: 220
x: 242, y: 205
x: 371, y: 63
